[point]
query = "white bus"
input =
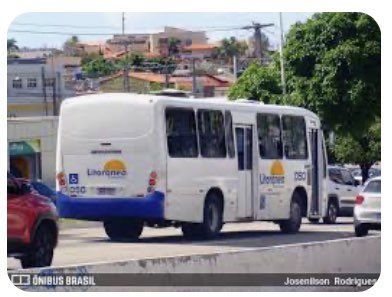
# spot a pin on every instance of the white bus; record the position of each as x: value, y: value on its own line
x: 134, y: 160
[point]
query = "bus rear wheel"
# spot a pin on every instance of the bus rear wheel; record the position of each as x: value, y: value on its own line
x: 293, y: 224
x: 123, y: 229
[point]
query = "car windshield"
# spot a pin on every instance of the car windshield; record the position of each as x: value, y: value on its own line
x: 373, y: 172
x: 373, y: 187
x: 356, y: 172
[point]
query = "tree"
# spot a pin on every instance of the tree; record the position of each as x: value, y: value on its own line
x: 98, y: 68
x: 333, y: 67
x: 11, y: 45
x: 72, y: 41
x: 133, y: 59
x: 365, y: 150
x: 70, y: 44
x: 173, y: 46
x: 258, y: 83
x: 88, y: 57
x: 230, y: 47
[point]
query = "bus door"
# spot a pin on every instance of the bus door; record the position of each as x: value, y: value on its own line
x: 244, y: 140
x: 316, y: 170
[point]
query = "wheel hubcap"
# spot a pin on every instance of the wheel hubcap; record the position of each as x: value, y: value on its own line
x: 332, y: 212
x: 213, y: 217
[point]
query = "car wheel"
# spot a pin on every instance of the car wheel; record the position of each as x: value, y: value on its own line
x: 332, y: 213
x: 123, y: 229
x: 293, y: 224
x: 314, y: 220
x: 361, y: 230
x: 41, y: 251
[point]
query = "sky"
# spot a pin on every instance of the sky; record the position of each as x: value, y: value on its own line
x: 136, y: 22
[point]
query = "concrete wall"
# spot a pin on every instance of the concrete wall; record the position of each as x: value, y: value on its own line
x: 352, y: 255
x: 44, y: 129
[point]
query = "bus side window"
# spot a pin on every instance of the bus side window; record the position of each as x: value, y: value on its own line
x: 211, y: 130
x: 269, y: 136
x: 181, y: 133
x: 229, y: 134
x: 294, y: 137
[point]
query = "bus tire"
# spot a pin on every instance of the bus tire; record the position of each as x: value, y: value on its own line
x: 212, y: 217
x: 293, y: 224
x: 123, y: 229
x: 191, y: 230
x: 332, y: 213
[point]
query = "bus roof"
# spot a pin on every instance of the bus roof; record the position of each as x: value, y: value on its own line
x: 214, y: 102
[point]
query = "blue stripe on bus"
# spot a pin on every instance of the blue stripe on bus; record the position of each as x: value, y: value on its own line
x: 98, y: 209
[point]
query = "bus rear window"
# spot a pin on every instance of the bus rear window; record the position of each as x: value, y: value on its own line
x: 106, y: 120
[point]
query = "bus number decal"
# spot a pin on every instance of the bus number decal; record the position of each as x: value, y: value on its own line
x: 300, y: 176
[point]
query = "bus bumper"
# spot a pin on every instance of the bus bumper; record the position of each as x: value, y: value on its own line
x: 99, y: 209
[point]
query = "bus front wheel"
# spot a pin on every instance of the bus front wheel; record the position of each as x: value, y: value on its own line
x: 123, y: 229
x: 212, y: 220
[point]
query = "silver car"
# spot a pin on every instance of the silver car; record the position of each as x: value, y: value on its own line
x: 367, y: 210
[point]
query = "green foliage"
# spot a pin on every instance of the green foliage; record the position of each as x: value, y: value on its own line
x: 72, y: 41
x: 333, y: 66
x: 90, y: 57
x: 13, y: 56
x: 173, y: 46
x: 230, y: 47
x: 133, y: 59
x: 259, y: 83
x: 98, y: 68
x: 364, y: 150
x: 11, y: 45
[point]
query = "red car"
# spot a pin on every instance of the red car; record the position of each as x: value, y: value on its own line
x: 32, y: 225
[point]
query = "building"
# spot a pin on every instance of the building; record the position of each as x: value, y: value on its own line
x: 32, y: 148
x: 132, y: 43
x: 150, y: 45
x: 147, y: 82
x: 35, y: 87
x: 199, y: 51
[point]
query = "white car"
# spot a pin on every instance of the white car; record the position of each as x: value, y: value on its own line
x: 342, y: 191
x: 367, y: 210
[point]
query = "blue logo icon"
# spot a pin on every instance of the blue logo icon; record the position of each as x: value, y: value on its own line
x: 73, y: 178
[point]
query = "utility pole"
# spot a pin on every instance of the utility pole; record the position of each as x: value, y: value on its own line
x: 58, y: 79
x: 167, y: 78
x: 257, y: 36
x: 193, y: 78
x: 54, y: 96
x: 123, y: 23
x: 44, y: 90
x: 235, y: 67
x: 282, y: 72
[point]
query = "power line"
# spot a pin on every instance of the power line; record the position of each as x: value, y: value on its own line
x: 64, y: 25
x: 60, y: 33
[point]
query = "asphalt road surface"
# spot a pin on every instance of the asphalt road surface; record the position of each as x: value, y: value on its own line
x: 82, y: 244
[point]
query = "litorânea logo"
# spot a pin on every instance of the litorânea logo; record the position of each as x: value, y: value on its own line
x: 276, y: 176
x: 112, y: 168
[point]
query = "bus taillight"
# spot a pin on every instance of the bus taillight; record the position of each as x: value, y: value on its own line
x: 152, y: 181
x: 61, y: 180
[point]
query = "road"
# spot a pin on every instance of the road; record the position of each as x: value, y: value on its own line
x: 82, y: 245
